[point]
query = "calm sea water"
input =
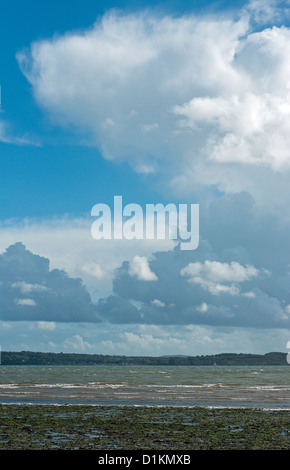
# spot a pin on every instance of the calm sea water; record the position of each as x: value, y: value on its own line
x: 220, y: 386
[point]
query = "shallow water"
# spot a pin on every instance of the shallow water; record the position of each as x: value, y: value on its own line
x: 220, y: 386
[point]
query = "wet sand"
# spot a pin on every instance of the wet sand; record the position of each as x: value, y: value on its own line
x: 85, y: 427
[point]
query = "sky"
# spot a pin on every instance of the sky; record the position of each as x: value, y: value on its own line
x: 161, y: 103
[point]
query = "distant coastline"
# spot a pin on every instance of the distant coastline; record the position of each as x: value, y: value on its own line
x: 232, y: 359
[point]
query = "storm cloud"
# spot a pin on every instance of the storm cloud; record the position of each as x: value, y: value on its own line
x: 29, y: 290
x: 227, y: 281
x: 236, y: 277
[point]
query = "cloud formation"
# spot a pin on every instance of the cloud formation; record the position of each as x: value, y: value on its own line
x: 140, y: 268
x: 202, y: 100
x: 228, y: 281
x: 219, y: 277
x: 250, y: 129
x: 29, y: 290
x: 9, y: 136
x: 69, y: 246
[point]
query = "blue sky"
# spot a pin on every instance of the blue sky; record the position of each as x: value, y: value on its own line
x: 170, y: 102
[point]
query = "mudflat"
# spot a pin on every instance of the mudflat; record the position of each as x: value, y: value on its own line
x: 77, y: 427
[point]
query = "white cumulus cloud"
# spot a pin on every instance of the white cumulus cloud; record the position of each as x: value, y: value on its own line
x: 219, y: 277
x: 202, y: 100
x: 26, y: 287
x: 140, y: 268
x: 26, y: 302
x: 158, y: 303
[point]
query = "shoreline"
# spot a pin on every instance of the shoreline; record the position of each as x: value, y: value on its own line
x: 136, y: 427
x: 122, y: 405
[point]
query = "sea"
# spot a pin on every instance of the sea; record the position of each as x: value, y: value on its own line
x: 265, y: 387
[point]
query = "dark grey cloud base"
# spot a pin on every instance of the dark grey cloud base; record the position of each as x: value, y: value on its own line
x: 29, y: 290
x: 238, y: 276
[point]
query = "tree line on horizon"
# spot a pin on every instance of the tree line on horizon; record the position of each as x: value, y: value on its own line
x: 49, y: 358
